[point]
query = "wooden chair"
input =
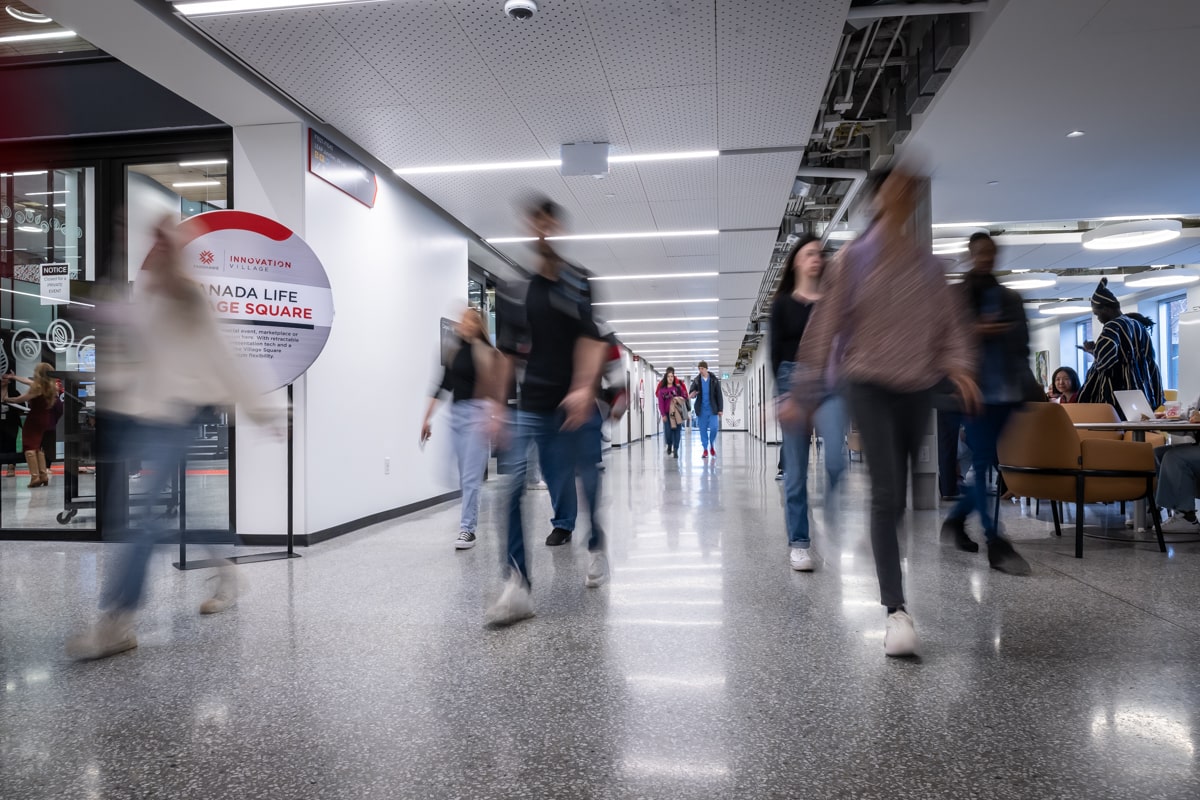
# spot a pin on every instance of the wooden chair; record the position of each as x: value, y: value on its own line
x: 1042, y: 455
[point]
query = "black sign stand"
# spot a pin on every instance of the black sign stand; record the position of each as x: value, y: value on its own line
x: 209, y: 563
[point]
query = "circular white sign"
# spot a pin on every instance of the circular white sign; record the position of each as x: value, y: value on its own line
x: 267, y: 289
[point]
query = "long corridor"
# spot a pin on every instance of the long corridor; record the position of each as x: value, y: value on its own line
x: 706, y: 668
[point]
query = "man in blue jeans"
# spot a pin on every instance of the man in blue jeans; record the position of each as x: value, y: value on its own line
x: 550, y: 325
x: 709, y: 405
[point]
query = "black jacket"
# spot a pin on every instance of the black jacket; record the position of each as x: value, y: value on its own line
x: 715, y: 398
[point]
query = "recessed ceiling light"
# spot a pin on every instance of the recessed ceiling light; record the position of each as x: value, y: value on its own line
x: 624, y: 334
x: 583, y: 237
x: 1064, y: 310
x: 1075, y: 134
x: 1031, y: 280
x: 192, y: 184
x: 1162, y: 277
x: 37, y: 37
x: 202, y: 7
x: 655, y: 276
x: 27, y: 16
x: 655, y: 302
x: 551, y: 162
x: 1124, y: 235
x: 206, y: 163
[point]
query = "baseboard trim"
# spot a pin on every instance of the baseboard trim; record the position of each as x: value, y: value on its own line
x: 309, y: 539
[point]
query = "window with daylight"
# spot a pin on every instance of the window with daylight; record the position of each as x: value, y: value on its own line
x: 1083, y: 333
x: 1169, y: 311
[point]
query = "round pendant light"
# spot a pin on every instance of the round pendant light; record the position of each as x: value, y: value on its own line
x: 1162, y: 277
x: 27, y: 16
x: 1138, y: 233
x: 1030, y: 280
x: 1065, y: 310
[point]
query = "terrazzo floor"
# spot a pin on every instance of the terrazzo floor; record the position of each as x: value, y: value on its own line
x: 705, y: 669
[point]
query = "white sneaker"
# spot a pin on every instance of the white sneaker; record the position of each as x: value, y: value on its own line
x: 597, y: 572
x: 1180, y: 524
x: 226, y: 595
x: 802, y: 560
x: 901, y: 638
x: 112, y: 634
x: 514, y: 604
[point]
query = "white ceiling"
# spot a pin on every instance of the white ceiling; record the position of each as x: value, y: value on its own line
x: 1122, y: 71
x: 421, y: 83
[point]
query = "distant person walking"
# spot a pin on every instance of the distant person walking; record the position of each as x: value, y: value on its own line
x: 42, y: 399
x: 1124, y: 354
x: 474, y: 363
x: 670, y: 395
x: 709, y: 406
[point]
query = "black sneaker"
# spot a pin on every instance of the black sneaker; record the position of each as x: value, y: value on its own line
x: 1002, y: 556
x: 957, y: 529
x: 465, y: 540
x: 558, y: 536
x: 670, y: 452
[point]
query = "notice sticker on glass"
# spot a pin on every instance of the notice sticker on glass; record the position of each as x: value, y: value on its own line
x: 55, y: 284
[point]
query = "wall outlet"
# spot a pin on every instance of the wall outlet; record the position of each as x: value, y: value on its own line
x: 923, y: 455
x: 387, y: 466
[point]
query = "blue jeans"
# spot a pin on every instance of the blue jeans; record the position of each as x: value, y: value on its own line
x: 830, y: 423
x: 160, y: 448
x: 709, y: 425
x: 468, y: 421
x: 983, y: 433
x: 671, y: 435
x: 563, y: 455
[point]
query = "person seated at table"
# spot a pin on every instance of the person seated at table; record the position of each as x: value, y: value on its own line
x: 1064, y: 386
x: 1124, y: 353
x: 1178, y: 483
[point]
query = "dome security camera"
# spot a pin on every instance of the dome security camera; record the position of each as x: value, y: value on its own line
x: 520, y: 9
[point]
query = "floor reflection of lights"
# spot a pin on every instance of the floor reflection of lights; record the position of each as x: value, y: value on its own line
x: 1150, y: 726
x: 673, y: 768
x: 652, y: 681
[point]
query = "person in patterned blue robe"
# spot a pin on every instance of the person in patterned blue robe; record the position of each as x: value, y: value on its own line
x: 1123, y: 352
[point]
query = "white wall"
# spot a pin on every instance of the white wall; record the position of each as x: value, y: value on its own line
x: 760, y: 393
x: 395, y: 271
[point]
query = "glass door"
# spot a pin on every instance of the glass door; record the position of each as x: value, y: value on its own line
x: 47, y: 349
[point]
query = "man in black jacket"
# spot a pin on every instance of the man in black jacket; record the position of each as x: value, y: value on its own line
x: 709, y: 405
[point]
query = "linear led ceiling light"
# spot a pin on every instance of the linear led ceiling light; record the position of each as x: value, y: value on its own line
x: 1030, y: 280
x: 950, y: 246
x: 668, y: 341
x: 551, y: 162
x: 45, y: 194
x: 657, y: 276
x: 1065, y: 310
x: 1139, y: 233
x: 202, y: 7
x: 680, y: 320
x: 664, y: 333
x: 193, y: 184
x: 584, y: 237
x: 1162, y: 277
x: 37, y: 37
x: 207, y: 163
x: 654, y: 302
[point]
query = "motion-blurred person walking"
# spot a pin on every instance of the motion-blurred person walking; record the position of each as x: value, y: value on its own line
x: 474, y: 363
x: 550, y: 324
x: 1002, y: 338
x: 901, y: 330
x: 174, y: 369
x: 798, y: 294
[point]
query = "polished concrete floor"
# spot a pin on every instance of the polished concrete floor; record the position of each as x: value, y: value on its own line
x: 706, y: 669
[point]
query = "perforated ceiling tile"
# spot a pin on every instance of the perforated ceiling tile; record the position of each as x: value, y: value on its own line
x: 709, y: 263
x: 740, y: 285
x: 746, y: 251
x: 680, y: 215
x: 421, y: 50
x: 633, y: 251
x: 683, y: 246
x: 305, y: 57
x: 552, y: 51
x: 679, y: 180
x: 736, y: 308
x: 619, y: 217
x: 486, y: 130
x: 622, y: 182
x: 557, y: 119
x: 670, y: 119
x: 396, y: 135
x: 647, y: 43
